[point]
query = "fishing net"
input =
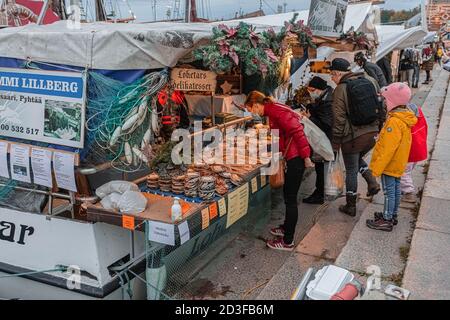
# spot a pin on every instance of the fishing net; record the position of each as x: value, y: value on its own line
x: 122, y: 121
x: 181, y: 271
x: 22, y: 200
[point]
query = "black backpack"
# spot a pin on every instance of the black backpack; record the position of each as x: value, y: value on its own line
x: 364, y: 107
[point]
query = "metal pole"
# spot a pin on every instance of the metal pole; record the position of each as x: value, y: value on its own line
x: 43, y: 11
x: 132, y: 253
x: 187, y: 11
x: 213, y: 110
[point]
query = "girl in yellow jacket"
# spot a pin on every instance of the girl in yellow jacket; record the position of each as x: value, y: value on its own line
x: 391, y: 152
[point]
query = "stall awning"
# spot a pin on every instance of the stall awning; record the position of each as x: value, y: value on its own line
x: 397, y: 38
x: 355, y: 16
x: 128, y: 46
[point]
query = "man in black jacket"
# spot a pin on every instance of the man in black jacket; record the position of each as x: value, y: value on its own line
x: 385, y: 66
x: 321, y: 114
x: 371, y: 69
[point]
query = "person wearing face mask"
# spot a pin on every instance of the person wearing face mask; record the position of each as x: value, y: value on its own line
x: 321, y: 114
x: 357, y: 118
x: 295, y: 148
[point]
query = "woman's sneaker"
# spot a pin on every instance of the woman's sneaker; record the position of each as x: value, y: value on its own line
x: 278, y: 231
x: 379, y: 215
x: 380, y: 224
x: 278, y: 244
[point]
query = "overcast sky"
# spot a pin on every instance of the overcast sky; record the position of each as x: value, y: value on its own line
x: 227, y: 8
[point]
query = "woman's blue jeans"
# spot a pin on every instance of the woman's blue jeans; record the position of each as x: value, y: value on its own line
x: 392, y: 194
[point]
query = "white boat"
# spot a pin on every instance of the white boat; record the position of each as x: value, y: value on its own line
x: 31, y: 243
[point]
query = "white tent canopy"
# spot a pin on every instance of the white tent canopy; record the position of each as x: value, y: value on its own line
x: 355, y: 17
x: 129, y: 46
x: 397, y: 38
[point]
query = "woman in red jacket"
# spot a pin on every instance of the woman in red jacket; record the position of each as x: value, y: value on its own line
x: 295, y: 147
x: 417, y: 153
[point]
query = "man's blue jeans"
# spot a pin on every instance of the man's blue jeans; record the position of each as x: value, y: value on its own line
x: 416, y: 75
x: 392, y: 194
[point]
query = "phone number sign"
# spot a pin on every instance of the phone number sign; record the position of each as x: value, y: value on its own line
x: 46, y: 106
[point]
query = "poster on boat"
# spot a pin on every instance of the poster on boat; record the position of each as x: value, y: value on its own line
x: 45, y: 106
x: 326, y: 17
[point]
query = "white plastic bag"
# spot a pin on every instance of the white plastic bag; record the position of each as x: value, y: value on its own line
x: 317, y: 139
x: 117, y: 186
x: 335, y: 178
x: 132, y: 202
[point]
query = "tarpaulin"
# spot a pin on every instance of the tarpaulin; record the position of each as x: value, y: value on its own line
x: 128, y: 46
x: 397, y: 38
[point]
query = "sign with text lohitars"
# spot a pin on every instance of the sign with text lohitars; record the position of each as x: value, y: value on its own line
x: 193, y: 80
x: 46, y: 106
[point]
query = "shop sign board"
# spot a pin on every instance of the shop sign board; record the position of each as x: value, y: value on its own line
x: 193, y: 80
x: 326, y: 17
x: 45, y: 106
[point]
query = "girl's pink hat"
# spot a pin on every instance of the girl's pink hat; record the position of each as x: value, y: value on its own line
x: 396, y: 94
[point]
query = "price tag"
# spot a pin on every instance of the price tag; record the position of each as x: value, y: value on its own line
x: 263, y: 180
x: 213, y: 211
x: 254, y: 185
x: 205, y: 218
x: 222, y: 207
x: 128, y: 222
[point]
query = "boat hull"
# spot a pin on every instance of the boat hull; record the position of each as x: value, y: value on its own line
x: 33, y: 245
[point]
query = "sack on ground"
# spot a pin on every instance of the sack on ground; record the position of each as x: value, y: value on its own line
x: 335, y: 178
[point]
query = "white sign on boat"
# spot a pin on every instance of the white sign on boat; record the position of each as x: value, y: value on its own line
x: 46, y: 106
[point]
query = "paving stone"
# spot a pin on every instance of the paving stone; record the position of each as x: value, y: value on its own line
x: 434, y: 215
x: 427, y: 271
x: 331, y: 232
x: 444, y: 128
x: 436, y: 185
x: 367, y: 247
x: 441, y: 150
x: 284, y: 283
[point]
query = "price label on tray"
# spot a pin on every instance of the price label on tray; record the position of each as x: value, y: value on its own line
x: 254, y: 185
x: 128, y: 222
x: 263, y: 180
x: 222, y: 207
x: 205, y: 218
x: 213, y: 211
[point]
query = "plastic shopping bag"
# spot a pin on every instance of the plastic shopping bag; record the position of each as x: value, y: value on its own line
x: 335, y: 178
x: 317, y: 139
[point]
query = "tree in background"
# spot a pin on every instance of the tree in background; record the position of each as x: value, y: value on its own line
x: 389, y: 16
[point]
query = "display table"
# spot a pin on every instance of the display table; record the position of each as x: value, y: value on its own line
x: 200, y: 105
x: 198, y: 215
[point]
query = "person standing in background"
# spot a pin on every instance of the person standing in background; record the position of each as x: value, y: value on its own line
x: 406, y: 66
x: 391, y: 152
x: 439, y: 54
x: 428, y: 62
x: 416, y: 62
x: 371, y: 69
x: 385, y: 66
x: 355, y: 90
x: 321, y: 114
x: 417, y: 153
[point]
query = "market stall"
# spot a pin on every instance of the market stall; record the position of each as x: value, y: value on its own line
x: 94, y: 132
x: 96, y: 153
